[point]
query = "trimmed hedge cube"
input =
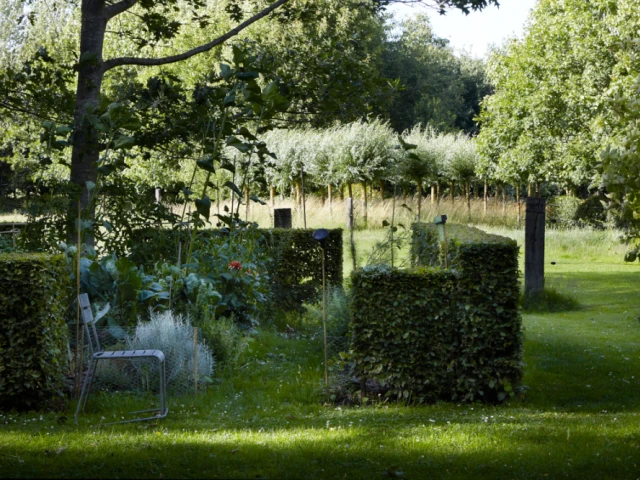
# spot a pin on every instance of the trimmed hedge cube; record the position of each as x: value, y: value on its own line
x: 33, y: 341
x: 430, y: 334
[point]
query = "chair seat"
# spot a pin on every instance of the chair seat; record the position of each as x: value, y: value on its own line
x: 130, y: 354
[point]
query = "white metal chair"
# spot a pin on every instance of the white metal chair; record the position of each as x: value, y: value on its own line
x: 98, y: 354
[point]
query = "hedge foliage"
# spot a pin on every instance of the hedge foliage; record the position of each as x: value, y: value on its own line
x: 296, y: 270
x: 430, y: 333
x: 33, y: 342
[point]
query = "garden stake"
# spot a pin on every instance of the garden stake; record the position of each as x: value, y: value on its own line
x: 78, y: 365
x: 195, y: 360
x: 321, y: 236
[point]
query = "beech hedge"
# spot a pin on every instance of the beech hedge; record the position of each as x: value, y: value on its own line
x: 432, y: 334
x: 33, y: 341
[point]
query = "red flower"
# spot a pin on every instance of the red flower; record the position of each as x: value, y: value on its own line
x: 235, y: 265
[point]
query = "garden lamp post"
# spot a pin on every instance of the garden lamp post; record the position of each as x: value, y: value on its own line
x: 441, y: 221
x: 320, y: 236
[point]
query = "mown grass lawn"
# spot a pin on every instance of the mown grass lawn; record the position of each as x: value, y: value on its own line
x: 580, y: 417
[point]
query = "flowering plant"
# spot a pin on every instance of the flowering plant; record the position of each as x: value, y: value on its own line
x: 235, y: 265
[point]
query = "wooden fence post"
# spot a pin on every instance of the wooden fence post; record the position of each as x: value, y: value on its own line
x: 534, y: 246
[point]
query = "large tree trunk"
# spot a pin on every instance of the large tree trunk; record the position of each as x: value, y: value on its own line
x: 86, y: 148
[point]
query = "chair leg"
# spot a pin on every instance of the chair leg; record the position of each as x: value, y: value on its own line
x: 86, y: 387
x: 163, y: 390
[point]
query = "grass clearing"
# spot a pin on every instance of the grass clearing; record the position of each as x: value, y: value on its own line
x: 580, y: 417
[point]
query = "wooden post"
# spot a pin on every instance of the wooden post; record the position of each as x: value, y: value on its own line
x: 534, y: 246
x: 282, y: 218
x: 350, y: 226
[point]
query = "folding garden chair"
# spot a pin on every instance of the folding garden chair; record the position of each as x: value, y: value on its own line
x: 98, y: 354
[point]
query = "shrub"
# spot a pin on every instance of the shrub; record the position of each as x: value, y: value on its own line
x: 173, y: 334
x: 294, y: 272
x: 561, y: 212
x: 226, y: 340
x: 430, y: 333
x: 33, y: 341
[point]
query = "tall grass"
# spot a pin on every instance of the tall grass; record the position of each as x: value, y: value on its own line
x: 334, y: 215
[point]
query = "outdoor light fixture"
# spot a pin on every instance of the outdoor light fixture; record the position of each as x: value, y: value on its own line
x: 320, y: 236
x: 441, y: 221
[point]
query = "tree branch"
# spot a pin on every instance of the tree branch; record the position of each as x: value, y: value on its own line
x: 118, y: 8
x: 116, y: 62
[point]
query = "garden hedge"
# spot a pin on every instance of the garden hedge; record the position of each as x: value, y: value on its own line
x: 430, y: 333
x: 296, y: 270
x: 33, y: 342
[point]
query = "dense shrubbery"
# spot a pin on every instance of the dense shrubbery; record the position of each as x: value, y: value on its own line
x: 429, y: 333
x: 33, y: 344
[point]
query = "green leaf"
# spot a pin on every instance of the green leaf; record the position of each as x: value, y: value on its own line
x: 203, y: 206
x: 229, y: 167
x: 257, y: 200
x: 206, y: 163
x: 233, y: 187
x: 385, y: 223
x: 123, y: 141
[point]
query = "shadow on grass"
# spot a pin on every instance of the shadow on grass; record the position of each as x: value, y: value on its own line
x: 525, y: 449
x: 549, y: 301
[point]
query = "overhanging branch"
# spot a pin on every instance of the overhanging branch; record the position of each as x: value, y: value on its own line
x: 116, y: 62
x: 118, y: 8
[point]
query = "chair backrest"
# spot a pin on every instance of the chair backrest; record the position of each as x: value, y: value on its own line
x: 89, y: 323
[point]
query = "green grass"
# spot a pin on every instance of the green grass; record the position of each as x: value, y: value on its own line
x: 580, y: 417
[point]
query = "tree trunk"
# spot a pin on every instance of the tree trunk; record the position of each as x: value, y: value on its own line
x: 529, y: 188
x: 420, y: 201
x: 323, y: 196
x: 504, y: 201
x: 342, y: 192
x: 518, y: 202
x: 86, y: 149
x: 298, y: 193
x: 364, y: 203
x: 467, y: 193
x: 330, y: 194
x: 485, y: 197
x: 438, y: 193
x: 475, y: 190
x: 433, y: 194
x: 453, y: 186
x: 350, y: 190
x: 537, y: 189
x: 497, y: 195
x: 272, y: 195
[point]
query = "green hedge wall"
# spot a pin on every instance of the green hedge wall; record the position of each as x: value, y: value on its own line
x: 33, y: 342
x: 430, y: 333
x: 296, y: 271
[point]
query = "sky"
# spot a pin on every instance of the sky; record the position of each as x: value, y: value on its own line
x: 478, y: 30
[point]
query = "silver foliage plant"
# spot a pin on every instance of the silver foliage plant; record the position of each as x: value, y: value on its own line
x: 173, y: 334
